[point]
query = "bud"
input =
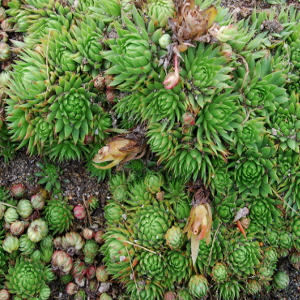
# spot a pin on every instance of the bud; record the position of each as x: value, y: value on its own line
x: 99, y: 237
x: 224, y: 33
x: 62, y: 261
x: 110, y: 96
x: 17, y: 228
x: 79, y: 212
x: 11, y: 215
x: 71, y: 288
x: 88, y: 233
x: 24, y: 208
x: 226, y: 50
x: 164, y: 41
x: 188, y: 119
x: 37, y: 201
x: 37, y: 230
x: 90, y: 272
x: 99, y: 82
x: 17, y: 190
x: 101, y: 274
x: 10, y: 244
x: 172, y: 78
x: 88, y: 139
x: 4, y: 295
x: 170, y: 296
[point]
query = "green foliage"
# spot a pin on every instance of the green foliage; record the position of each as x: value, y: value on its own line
x: 50, y: 176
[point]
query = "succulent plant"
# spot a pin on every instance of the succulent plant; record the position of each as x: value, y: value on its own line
x: 280, y: 280
x: 101, y: 274
x: 17, y: 190
x: 132, y: 54
x: 11, y: 215
x: 62, y: 262
x: 105, y: 296
x: 26, y: 245
x: 118, y: 255
x: 27, y: 279
x: 58, y: 215
x: 244, y: 256
x: 49, y: 176
x: 151, y: 225
x: 174, y: 238
x: 37, y: 230
x: 5, y: 51
x: 253, y: 287
x: 10, y: 244
x: 198, y: 286
x: 79, y: 212
x: 71, y: 288
x: 24, y: 208
x: 160, y: 11
x: 79, y: 269
x: 220, y: 272
x: 229, y: 290
x: 37, y: 201
x: 90, y: 251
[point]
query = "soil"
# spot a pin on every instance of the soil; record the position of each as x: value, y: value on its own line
x: 77, y: 185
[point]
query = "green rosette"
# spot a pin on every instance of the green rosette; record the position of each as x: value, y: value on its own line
x: 244, y: 257
x: 132, y: 54
x: 159, y: 11
x: 229, y: 290
x: 198, y: 286
x: 27, y: 279
x: 58, y: 215
x: 150, y: 225
x: 179, y: 267
x: 281, y: 280
x: 220, y: 273
x: 118, y: 254
x: 151, y: 266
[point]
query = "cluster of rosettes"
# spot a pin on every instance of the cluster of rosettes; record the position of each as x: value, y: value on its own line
x: 149, y: 241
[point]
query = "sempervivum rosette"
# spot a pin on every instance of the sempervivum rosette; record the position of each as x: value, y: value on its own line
x: 214, y: 251
x: 118, y: 255
x: 261, y: 86
x: 255, y: 170
x: 84, y: 38
x: 27, y: 279
x: 285, y: 123
x: 151, y: 266
x: 160, y: 10
x: 142, y: 288
x: 198, y: 286
x: 229, y: 290
x: 151, y: 224
x: 58, y: 215
x: 220, y: 272
x: 5, y: 51
x: 281, y: 280
x: 178, y: 266
x: 225, y: 207
x: 253, y: 287
x: 175, y: 238
x: 29, y: 87
x: 71, y: 108
x: 264, y: 210
x: 132, y: 54
x: 243, y: 257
